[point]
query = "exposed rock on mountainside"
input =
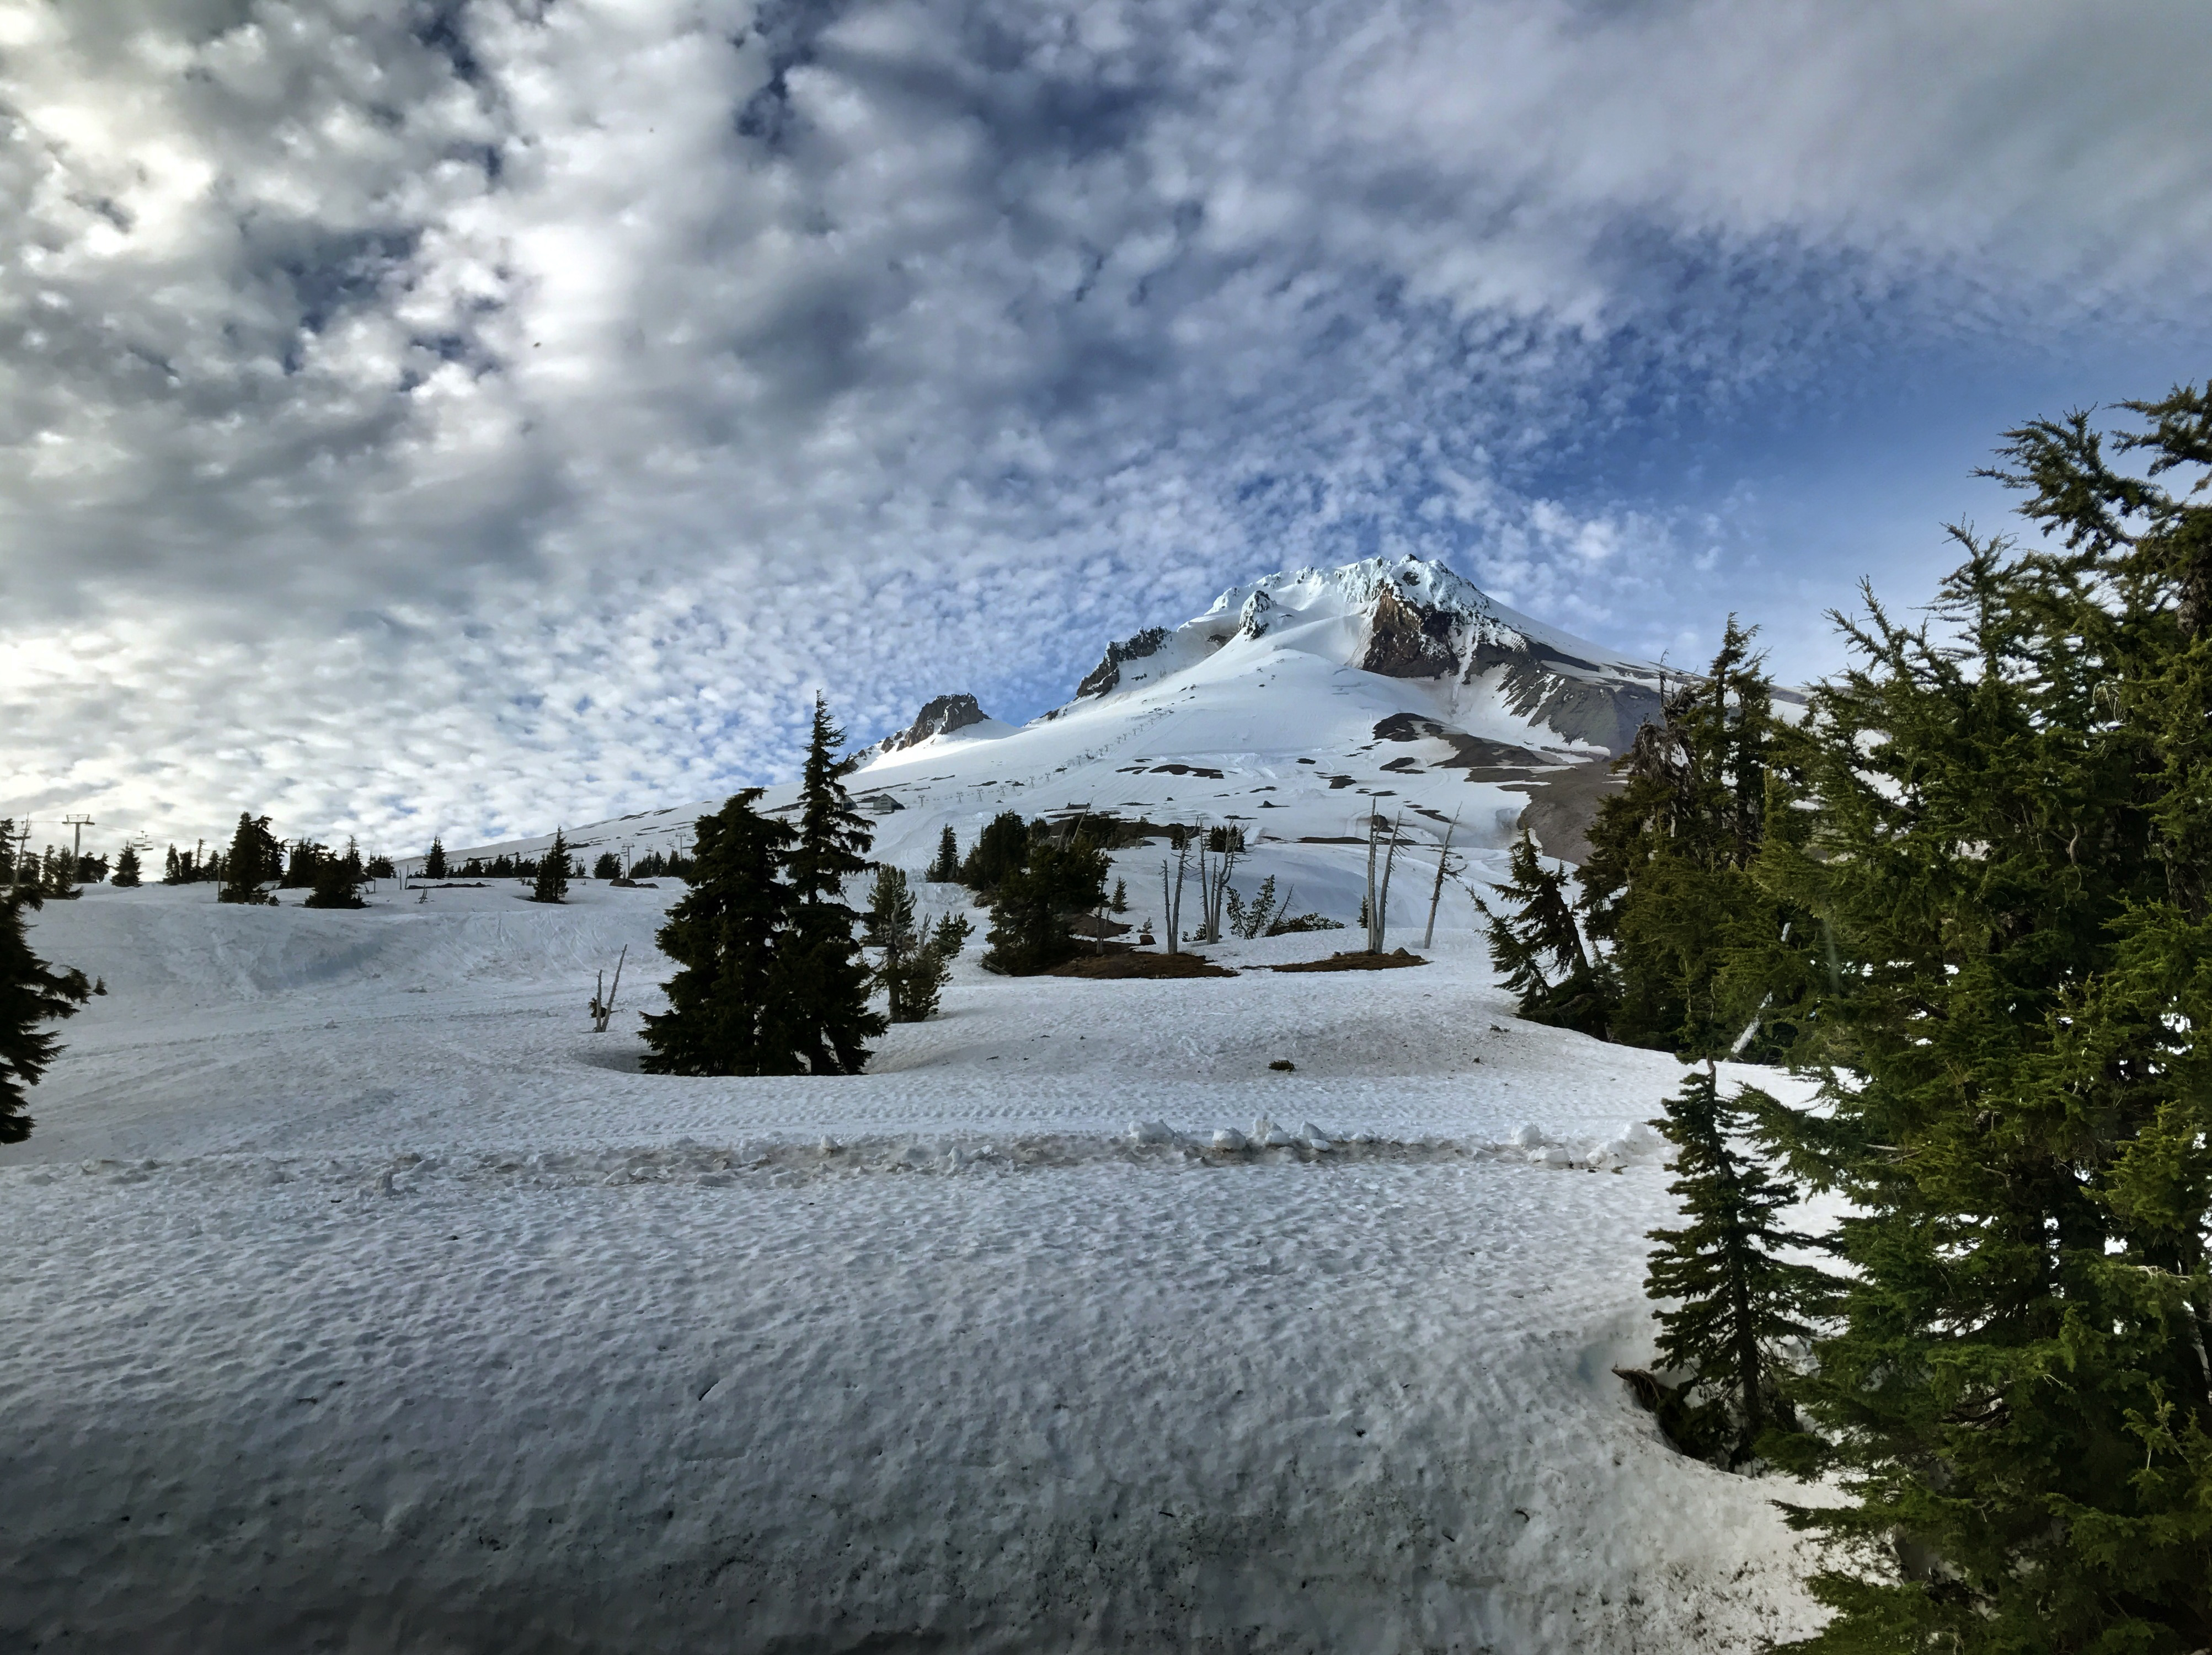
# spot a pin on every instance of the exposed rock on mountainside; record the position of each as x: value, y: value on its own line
x: 938, y: 717
x: 1107, y: 675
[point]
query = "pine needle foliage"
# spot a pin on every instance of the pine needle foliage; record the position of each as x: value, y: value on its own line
x: 1668, y: 892
x: 723, y: 934
x: 2010, y: 866
x: 1059, y: 877
x: 1741, y: 1309
x: 999, y: 850
x: 551, y: 883
x: 946, y: 868
x: 31, y: 992
x: 912, y: 969
x: 820, y: 982
x: 1536, y: 944
x: 254, y: 859
x: 128, y: 875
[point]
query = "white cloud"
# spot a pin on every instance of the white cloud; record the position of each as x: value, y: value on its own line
x: 461, y: 415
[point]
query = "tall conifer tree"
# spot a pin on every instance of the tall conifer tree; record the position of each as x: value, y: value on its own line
x: 253, y: 860
x: 433, y: 865
x: 551, y: 884
x: 31, y: 992
x: 724, y: 934
x: 2011, y: 863
x: 820, y: 982
x: 946, y: 868
x: 128, y: 875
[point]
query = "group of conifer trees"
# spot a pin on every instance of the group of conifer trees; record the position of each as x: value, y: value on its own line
x: 771, y: 977
x: 1037, y: 876
x: 1969, y: 891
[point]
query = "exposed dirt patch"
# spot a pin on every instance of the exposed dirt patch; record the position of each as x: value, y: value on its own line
x: 1359, y: 960
x: 1142, y: 965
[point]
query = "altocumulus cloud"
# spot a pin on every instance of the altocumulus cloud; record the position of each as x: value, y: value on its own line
x: 464, y: 416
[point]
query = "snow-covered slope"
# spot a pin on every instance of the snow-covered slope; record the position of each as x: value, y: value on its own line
x: 1295, y: 707
x: 360, y: 1297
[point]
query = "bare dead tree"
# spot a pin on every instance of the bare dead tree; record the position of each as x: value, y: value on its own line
x: 1437, y: 894
x: 603, y: 997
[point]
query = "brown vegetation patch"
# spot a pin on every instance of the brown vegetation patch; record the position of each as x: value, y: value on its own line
x: 1142, y: 965
x: 1358, y: 960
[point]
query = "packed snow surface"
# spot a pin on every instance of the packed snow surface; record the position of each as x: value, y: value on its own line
x: 360, y: 1297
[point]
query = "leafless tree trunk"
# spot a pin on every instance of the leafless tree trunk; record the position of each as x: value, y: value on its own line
x: 1437, y: 895
x: 603, y: 998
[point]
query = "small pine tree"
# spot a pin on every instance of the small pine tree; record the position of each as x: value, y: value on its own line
x: 433, y: 865
x: 551, y: 884
x: 724, y: 935
x: 173, y: 867
x: 7, y: 853
x: 1538, y: 948
x: 128, y: 876
x: 945, y: 870
x: 31, y: 993
x: 912, y: 972
x: 819, y: 982
x: 254, y: 858
x: 1119, y: 904
x: 609, y: 866
x: 1739, y: 1304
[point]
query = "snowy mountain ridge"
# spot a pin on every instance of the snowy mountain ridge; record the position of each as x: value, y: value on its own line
x: 1299, y: 706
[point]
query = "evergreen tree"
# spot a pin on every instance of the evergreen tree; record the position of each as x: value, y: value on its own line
x: 31, y: 993
x: 57, y: 875
x: 1001, y: 848
x: 551, y: 884
x: 609, y: 866
x: 2011, y: 869
x: 946, y: 868
x: 380, y: 867
x: 433, y: 865
x: 1120, y: 902
x: 912, y: 970
x: 1739, y: 1304
x: 1539, y: 948
x: 1668, y: 887
x: 338, y: 880
x: 1029, y: 931
x: 819, y: 981
x: 7, y: 853
x: 128, y: 875
x: 254, y: 858
x: 724, y: 935
x: 306, y: 863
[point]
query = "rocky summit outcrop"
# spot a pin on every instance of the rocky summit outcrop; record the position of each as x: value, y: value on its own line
x: 1106, y: 676
x: 1410, y: 619
x: 940, y: 717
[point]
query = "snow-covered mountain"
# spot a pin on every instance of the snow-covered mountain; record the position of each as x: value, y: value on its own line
x: 1296, y: 706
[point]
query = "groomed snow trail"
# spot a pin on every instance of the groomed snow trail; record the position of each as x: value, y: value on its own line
x: 362, y: 1298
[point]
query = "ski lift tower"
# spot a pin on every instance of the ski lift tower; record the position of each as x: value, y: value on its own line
x: 76, y: 851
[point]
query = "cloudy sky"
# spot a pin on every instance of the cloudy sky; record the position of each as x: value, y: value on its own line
x: 466, y: 414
